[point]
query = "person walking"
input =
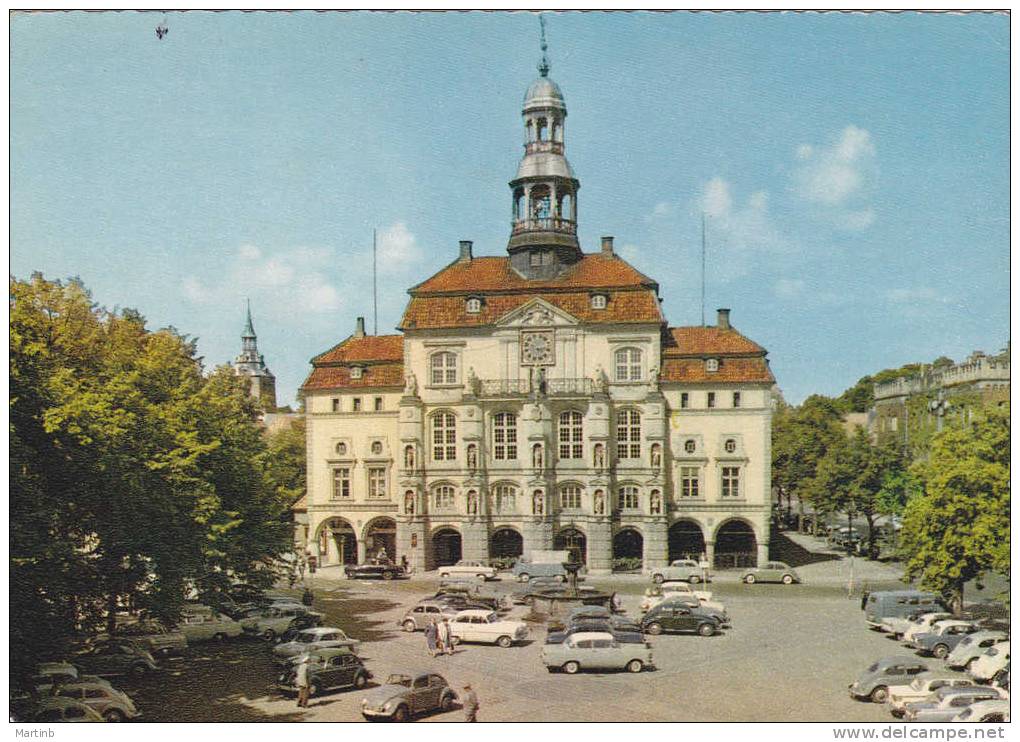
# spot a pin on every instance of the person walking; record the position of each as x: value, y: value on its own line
x: 431, y: 636
x: 469, y: 700
x: 301, y: 680
x: 446, y: 636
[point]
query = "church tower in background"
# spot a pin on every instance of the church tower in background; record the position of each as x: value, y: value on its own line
x: 252, y: 364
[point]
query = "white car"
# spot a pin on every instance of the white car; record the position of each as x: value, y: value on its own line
x: 972, y: 647
x: 994, y: 659
x: 921, y: 687
x: 208, y: 626
x: 984, y: 712
x: 470, y: 568
x: 309, y: 640
x: 486, y: 627
x: 665, y: 591
x: 48, y: 673
x: 273, y: 621
x: 923, y: 624
x: 56, y: 708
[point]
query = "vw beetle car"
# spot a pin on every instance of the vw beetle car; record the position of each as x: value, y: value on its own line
x: 946, y: 635
x: 486, y: 627
x: 995, y: 658
x: 972, y: 647
x: 596, y: 651
x: 946, y: 703
x: 427, y: 611
x: 687, y: 570
x: 407, y: 695
x: 679, y: 618
x: 57, y: 709
x: 771, y: 572
x: 116, y: 657
x: 688, y: 601
x: 328, y: 669
x: 874, y: 683
x: 109, y: 702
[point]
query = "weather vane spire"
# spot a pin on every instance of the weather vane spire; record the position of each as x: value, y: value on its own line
x: 543, y: 66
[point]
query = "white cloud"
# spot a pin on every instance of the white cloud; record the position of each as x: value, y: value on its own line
x: 194, y: 291
x: 789, y: 288
x: 838, y: 178
x: 715, y: 198
x: 663, y: 208
x: 630, y: 253
x: 733, y: 226
x: 397, y: 248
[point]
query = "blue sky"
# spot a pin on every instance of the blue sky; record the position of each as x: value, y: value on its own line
x: 853, y: 168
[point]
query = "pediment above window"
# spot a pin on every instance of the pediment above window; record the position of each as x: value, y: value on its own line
x: 537, y: 313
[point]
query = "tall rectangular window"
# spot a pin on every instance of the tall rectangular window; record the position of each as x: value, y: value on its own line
x: 731, y: 481
x: 378, y: 404
x: 443, y: 498
x: 628, y: 435
x: 685, y: 400
x: 504, y: 436
x: 711, y: 399
x: 356, y: 404
x: 444, y: 437
x: 571, y: 435
x: 341, y: 483
x: 377, y: 482
x: 690, y: 481
x: 444, y: 368
x: 628, y: 497
x: 628, y: 364
x: 336, y: 405
x: 736, y: 399
x: 570, y: 497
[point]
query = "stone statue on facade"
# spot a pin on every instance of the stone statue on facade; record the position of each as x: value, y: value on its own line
x: 653, y: 378
x: 472, y: 457
x: 601, y: 381
x: 657, y: 457
x: 600, y: 503
x: 656, y: 503
x: 410, y: 385
x: 409, y: 503
x: 474, y: 384
x: 409, y: 458
x: 600, y: 457
x: 537, y: 457
x: 472, y: 503
x: 538, y: 503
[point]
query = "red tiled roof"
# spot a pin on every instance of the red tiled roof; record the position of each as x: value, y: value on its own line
x: 692, y: 371
x: 337, y: 377
x: 702, y: 341
x: 639, y: 305
x: 368, y: 348
x: 492, y: 273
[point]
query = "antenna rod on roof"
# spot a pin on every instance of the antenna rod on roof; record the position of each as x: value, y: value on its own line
x: 702, y: 268
x: 375, y: 291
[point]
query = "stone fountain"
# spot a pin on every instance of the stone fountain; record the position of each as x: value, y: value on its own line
x: 554, y: 607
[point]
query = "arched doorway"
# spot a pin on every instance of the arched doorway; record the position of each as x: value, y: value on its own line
x: 446, y: 547
x: 735, y: 545
x: 505, y: 543
x: 628, y: 550
x: 572, y: 540
x: 337, y: 543
x: 686, y: 540
x: 381, y: 539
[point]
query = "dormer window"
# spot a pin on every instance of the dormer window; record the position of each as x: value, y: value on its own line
x: 598, y: 301
x: 712, y: 365
x: 474, y: 305
x: 356, y: 372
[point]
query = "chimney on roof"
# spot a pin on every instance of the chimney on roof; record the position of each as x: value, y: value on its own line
x: 359, y: 328
x: 723, y: 321
x: 607, y: 245
x: 465, y: 251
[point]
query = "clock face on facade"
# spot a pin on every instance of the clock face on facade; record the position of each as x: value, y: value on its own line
x: 537, y: 348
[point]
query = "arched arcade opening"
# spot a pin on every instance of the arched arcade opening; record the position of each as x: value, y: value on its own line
x: 686, y: 540
x: 446, y: 547
x: 505, y: 543
x: 735, y: 545
x: 381, y: 540
x: 336, y: 542
x: 628, y: 550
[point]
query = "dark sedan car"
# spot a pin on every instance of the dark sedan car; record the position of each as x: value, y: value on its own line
x: 328, y: 669
x: 373, y: 571
x: 679, y: 619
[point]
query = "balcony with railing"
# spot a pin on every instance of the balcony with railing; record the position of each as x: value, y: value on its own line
x: 531, y: 148
x: 581, y: 387
x: 545, y: 224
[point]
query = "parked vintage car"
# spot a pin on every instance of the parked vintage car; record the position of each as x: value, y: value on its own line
x: 48, y: 674
x: 57, y: 709
x: 689, y: 601
x: 771, y: 572
x: 203, y: 626
x: 109, y: 702
x: 973, y: 646
x: 543, y: 591
x: 406, y: 695
x: 883, y: 604
x: 596, y: 651
x: 943, y: 638
x: 152, y: 635
x: 427, y: 611
x: 328, y: 669
x: 268, y: 623
x: 874, y: 683
x: 673, y: 618
x: 597, y: 625
x: 895, y: 626
x: 984, y: 712
x: 923, y: 624
x: 661, y: 593
x: 312, y: 640
x: 374, y: 571
x: 686, y: 570
x: 488, y: 628
x: 519, y: 594
x: 468, y: 567
x: 588, y: 611
x: 995, y: 658
x: 471, y: 593
x: 945, y: 703
x: 112, y: 657
x: 921, y: 687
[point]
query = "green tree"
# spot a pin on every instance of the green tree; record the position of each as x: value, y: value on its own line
x: 958, y: 529
x: 285, y: 461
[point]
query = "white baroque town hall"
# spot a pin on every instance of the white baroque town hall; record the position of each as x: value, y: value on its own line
x: 540, y: 400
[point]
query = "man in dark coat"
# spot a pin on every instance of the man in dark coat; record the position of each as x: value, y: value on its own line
x: 469, y: 701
